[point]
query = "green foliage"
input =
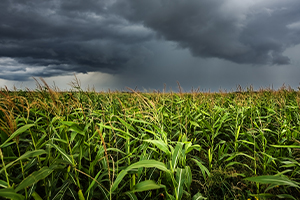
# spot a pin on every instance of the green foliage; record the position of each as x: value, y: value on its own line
x: 88, y: 145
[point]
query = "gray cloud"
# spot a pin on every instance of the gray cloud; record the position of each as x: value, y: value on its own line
x: 247, y: 32
x: 59, y: 37
x: 68, y: 36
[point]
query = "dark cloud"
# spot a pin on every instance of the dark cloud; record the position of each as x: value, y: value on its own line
x: 68, y: 36
x: 56, y: 37
x: 253, y: 32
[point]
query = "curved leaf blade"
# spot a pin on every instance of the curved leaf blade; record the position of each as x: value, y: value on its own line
x: 34, y: 178
x: 11, y: 194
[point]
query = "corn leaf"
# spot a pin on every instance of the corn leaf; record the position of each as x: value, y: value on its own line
x: 198, y: 196
x: 63, y: 153
x: 203, y: 169
x: 24, y: 156
x: 146, y: 185
x: 10, y: 193
x: 34, y: 178
x: 180, y: 179
x: 17, y: 132
x: 161, y: 145
x: 277, y: 180
x: 131, y: 196
x: 147, y: 164
x: 176, y: 155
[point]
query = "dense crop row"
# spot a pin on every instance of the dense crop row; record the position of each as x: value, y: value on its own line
x: 88, y: 145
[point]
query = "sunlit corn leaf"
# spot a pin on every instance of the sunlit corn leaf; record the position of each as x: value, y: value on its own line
x: 192, y: 147
x: 17, y: 132
x: 286, y: 146
x: 10, y: 193
x: 80, y: 195
x: 276, y: 180
x: 161, y: 145
x: 34, y: 178
x: 3, y: 184
x: 146, y: 185
x: 193, y: 123
x: 176, y: 155
x: 198, y: 196
x: 36, y: 196
x: 147, y: 164
x: 180, y: 179
x: 143, y: 163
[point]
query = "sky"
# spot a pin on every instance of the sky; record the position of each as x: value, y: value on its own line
x: 209, y: 45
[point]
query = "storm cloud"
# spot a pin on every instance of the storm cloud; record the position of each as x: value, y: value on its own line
x: 246, y: 32
x: 58, y: 37
x: 66, y: 37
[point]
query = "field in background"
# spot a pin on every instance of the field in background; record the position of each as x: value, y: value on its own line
x: 88, y: 145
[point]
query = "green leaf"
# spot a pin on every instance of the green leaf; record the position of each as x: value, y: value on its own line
x: 188, y: 177
x: 276, y: 180
x: 239, y: 154
x: 194, y: 124
x: 176, y: 155
x: 3, y: 184
x: 36, y: 196
x: 118, y: 180
x: 80, y: 195
x: 198, y: 196
x: 161, y: 145
x: 34, y: 178
x: 146, y: 185
x: 63, y: 153
x: 238, y: 163
x: 17, y: 132
x: 285, y: 196
x: 10, y: 193
x: 26, y: 155
x: 93, y: 183
x: 203, y: 169
x: 147, y: 164
x: 60, y: 194
x: 142, y: 163
x: 196, y: 146
x: 286, y: 146
x: 131, y: 195
x: 128, y: 126
x: 180, y: 179
x: 125, y: 133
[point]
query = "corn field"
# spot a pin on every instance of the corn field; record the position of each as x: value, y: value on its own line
x: 88, y: 145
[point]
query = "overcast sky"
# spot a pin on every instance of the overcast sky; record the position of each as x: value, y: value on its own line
x: 206, y: 44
